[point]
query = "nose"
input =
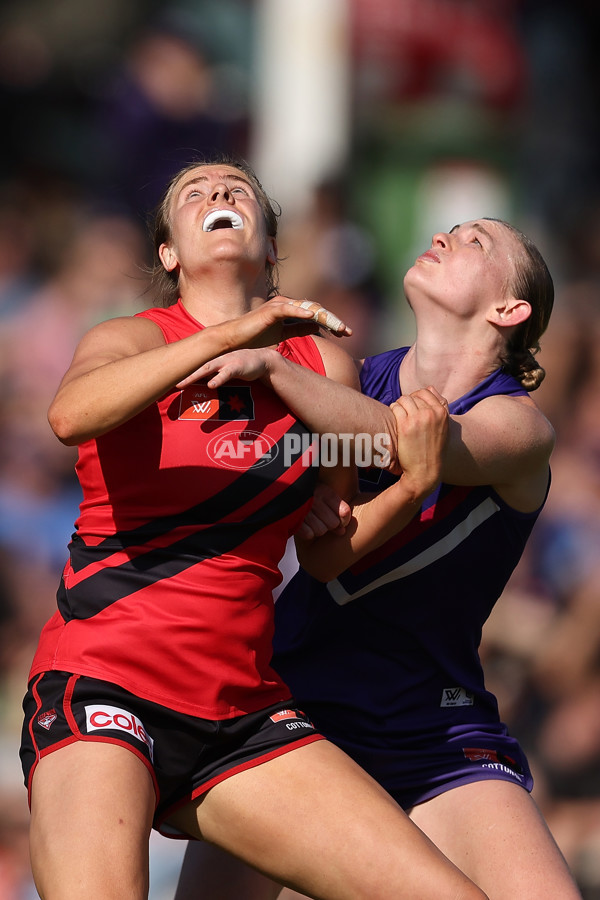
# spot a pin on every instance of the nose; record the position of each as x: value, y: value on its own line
x: 219, y: 193
x: 441, y: 239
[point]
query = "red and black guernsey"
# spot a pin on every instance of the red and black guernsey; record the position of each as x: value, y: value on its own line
x: 185, y: 515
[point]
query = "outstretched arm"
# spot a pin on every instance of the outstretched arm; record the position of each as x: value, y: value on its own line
x: 324, y: 405
x: 413, y: 431
x: 123, y: 365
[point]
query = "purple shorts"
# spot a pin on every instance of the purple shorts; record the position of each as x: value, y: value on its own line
x: 414, y: 767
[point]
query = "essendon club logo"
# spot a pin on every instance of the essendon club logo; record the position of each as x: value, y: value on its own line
x: 225, y: 404
x: 475, y: 754
x: 46, y: 719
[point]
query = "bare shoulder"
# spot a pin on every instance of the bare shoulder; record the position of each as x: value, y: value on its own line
x: 339, y: 365
x: 505, y: 442
x: 114, y: 339
x: 543, y: 428
x: 136, y: 332
x: 516, y: 421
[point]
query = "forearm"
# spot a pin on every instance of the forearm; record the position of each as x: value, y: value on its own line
x: 100, y: 399
x: 422, y: 430
x: 326, y: 406
x: 376, y: 518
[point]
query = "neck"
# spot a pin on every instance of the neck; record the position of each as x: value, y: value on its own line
x: 453, y: 363
x: 218, y: 296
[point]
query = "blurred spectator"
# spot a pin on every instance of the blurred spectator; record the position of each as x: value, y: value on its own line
x: 98, y: 271
x: 99, y: 275
x: 328, y: 256
x: 160, y: 110
x: 424, y: 49
x: 18, y: 265
x: 557, y: 148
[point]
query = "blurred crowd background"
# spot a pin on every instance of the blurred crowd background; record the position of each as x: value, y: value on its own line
x: 374, y: 123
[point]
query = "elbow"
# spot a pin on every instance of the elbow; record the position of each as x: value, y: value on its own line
x: 320, y: 569
x: 63, y: 427
x: 322, y: 574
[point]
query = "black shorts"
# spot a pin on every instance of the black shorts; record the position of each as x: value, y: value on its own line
x: 185, y: 755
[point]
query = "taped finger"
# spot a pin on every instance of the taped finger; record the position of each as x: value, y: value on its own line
x: 322, y: 316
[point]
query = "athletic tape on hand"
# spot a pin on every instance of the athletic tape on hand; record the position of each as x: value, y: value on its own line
x: 323, y: 317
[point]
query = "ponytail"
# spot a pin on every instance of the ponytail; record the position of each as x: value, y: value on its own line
x: 523, y: 366
x: 532, y: 282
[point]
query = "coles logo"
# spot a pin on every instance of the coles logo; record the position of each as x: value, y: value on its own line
x: 100, y: 717
x: 241, y: 449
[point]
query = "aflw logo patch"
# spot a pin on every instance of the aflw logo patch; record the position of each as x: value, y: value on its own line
x: 291, y: 719
x: 493, y: 759
x: 456, y: 696
x: 283, y: 714
x: 199, y: 403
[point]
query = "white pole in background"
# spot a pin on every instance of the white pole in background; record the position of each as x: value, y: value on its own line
x: 301, y: 107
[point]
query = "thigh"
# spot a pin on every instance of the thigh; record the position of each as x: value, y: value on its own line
x: 221, y: 875
x: 91, y: 812
x: 226, y: 877
x: 313, y: 820
x: 495, y: 833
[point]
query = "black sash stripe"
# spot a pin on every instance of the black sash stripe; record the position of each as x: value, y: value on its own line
x: 211, y: 510
x: 110, y: 584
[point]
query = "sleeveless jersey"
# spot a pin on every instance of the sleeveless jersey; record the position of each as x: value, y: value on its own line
x: 389, y: 650
x: 185, y: 515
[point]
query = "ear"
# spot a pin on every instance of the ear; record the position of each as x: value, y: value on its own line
x: 272, y: 252
x: 509, y: 312
x: 167, y: 257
